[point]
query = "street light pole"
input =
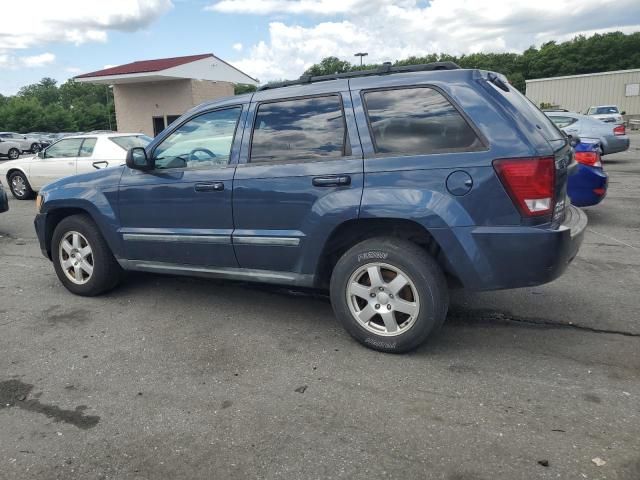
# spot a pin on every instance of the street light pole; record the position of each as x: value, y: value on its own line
x: 361, y: 54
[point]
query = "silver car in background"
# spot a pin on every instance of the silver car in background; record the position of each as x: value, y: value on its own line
x: 27, y: 143
x: 9, y: 148
x: 613, y: 138
x: 606, y: 113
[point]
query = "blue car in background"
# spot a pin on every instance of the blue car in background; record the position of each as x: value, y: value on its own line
x: 588, y: 185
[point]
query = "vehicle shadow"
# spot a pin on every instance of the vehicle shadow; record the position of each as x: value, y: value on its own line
x: 300, y: 321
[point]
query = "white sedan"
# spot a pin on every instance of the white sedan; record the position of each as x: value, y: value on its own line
x: 68, y: 156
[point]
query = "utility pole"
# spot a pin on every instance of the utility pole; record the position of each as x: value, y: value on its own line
x: 361, y: 54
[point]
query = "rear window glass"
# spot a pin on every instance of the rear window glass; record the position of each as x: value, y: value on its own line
x: 603, y: 110
x: 301, y: 129
x: 528, y: 108
x: 562, y: 122
x: 131, y: 141
x: 413, y: 121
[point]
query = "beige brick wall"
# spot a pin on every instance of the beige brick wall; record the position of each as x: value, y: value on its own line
x: 137, y: 103
x: 205, y: 90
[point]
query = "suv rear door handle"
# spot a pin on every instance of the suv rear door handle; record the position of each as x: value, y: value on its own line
x: 209, y: 187
x: 332, y: 181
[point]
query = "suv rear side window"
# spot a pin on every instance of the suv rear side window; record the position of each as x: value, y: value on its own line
x: 301, y: 129
x: 415, y: 121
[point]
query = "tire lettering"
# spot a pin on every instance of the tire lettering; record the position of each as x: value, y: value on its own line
x: 372, y: 256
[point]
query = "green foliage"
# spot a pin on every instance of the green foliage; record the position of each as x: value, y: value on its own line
x: 598, y: 53
x: 241, y: 88
x: 47, y: 107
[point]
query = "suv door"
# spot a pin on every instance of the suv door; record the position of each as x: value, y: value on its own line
x: 55, y: 162
x: 179, y: 213
x: 300, y: 175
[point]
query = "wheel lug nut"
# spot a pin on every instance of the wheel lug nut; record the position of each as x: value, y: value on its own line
x: 391, y: 295
x: 377, y: 305
x: 381, y: 288
x: 373, y: 294
x: 388, y: 306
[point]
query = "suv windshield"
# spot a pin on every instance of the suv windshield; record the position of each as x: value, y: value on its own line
x: 131, y: 141
x: 602, y: 110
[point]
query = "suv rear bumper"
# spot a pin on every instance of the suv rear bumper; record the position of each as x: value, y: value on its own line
x: 493, y: 258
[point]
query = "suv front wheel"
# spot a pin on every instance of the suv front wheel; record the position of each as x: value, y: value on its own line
x: 81, y: 257
x: 389, y: 294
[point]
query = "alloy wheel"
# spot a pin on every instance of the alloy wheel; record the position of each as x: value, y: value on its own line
x: 18, y: 186
x: 76, y: 257
x: 383, y: 299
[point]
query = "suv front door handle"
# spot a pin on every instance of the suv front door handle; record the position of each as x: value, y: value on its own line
x: 332, y: 181
x: 209, y: 187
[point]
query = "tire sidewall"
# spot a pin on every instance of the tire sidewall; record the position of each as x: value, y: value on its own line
x: 13, y: 150
x: 423, y: 272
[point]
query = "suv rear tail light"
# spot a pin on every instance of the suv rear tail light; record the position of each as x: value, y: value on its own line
x: 591, y: 159
x: 530, y: 182
x: 619, y: 130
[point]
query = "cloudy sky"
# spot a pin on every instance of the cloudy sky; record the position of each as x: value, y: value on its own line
x: 275, y: 39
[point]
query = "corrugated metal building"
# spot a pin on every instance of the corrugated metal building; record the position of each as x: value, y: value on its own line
x: 578, y: 92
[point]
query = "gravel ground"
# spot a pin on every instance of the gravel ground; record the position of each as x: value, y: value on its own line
x: 187, y: 378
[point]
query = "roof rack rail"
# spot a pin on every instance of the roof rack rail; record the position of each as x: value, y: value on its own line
x: 383, y: 69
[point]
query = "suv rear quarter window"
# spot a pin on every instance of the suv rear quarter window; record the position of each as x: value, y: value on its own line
x: 418, y: 120
x: 299, y: 129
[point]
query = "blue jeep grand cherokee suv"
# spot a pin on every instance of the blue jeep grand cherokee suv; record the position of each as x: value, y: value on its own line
x: 384, y: 187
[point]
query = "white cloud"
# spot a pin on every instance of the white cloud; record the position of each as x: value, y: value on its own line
x: 12, y: 62
x: 36, y: 61
x: 390, y: 30
x: 74, y: 21
x: 237, y: 47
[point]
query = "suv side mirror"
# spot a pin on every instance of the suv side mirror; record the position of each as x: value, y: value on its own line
x: 137, y: 159
x: 41, y: 154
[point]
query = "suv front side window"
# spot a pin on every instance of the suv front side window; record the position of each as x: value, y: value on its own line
x: 202, y: 142
x: 417, y: 121
x: 300, y: 129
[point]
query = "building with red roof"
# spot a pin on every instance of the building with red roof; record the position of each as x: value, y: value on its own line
x: 150, y: 94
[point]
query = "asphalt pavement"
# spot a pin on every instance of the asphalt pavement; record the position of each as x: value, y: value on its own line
x: 169, y: 377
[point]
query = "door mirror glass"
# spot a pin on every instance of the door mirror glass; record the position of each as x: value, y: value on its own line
x: 137, y: 159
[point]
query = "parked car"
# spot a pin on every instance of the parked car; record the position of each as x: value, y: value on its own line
x: 607, y: 114
x: 9, y: 148
x: 383, y: 187
x: 4, y: 200
x: 588, y: 184
x: 27, y: 143
x: 68, y: 156
x: 612, y: 138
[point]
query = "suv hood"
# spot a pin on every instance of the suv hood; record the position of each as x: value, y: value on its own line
x: 99, y: 179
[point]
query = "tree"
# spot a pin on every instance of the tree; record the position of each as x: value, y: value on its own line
x: 328, y: 66
x: 598, y: 53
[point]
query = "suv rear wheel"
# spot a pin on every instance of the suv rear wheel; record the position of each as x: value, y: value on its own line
x: 389, y: 294
x: 81, y: 257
